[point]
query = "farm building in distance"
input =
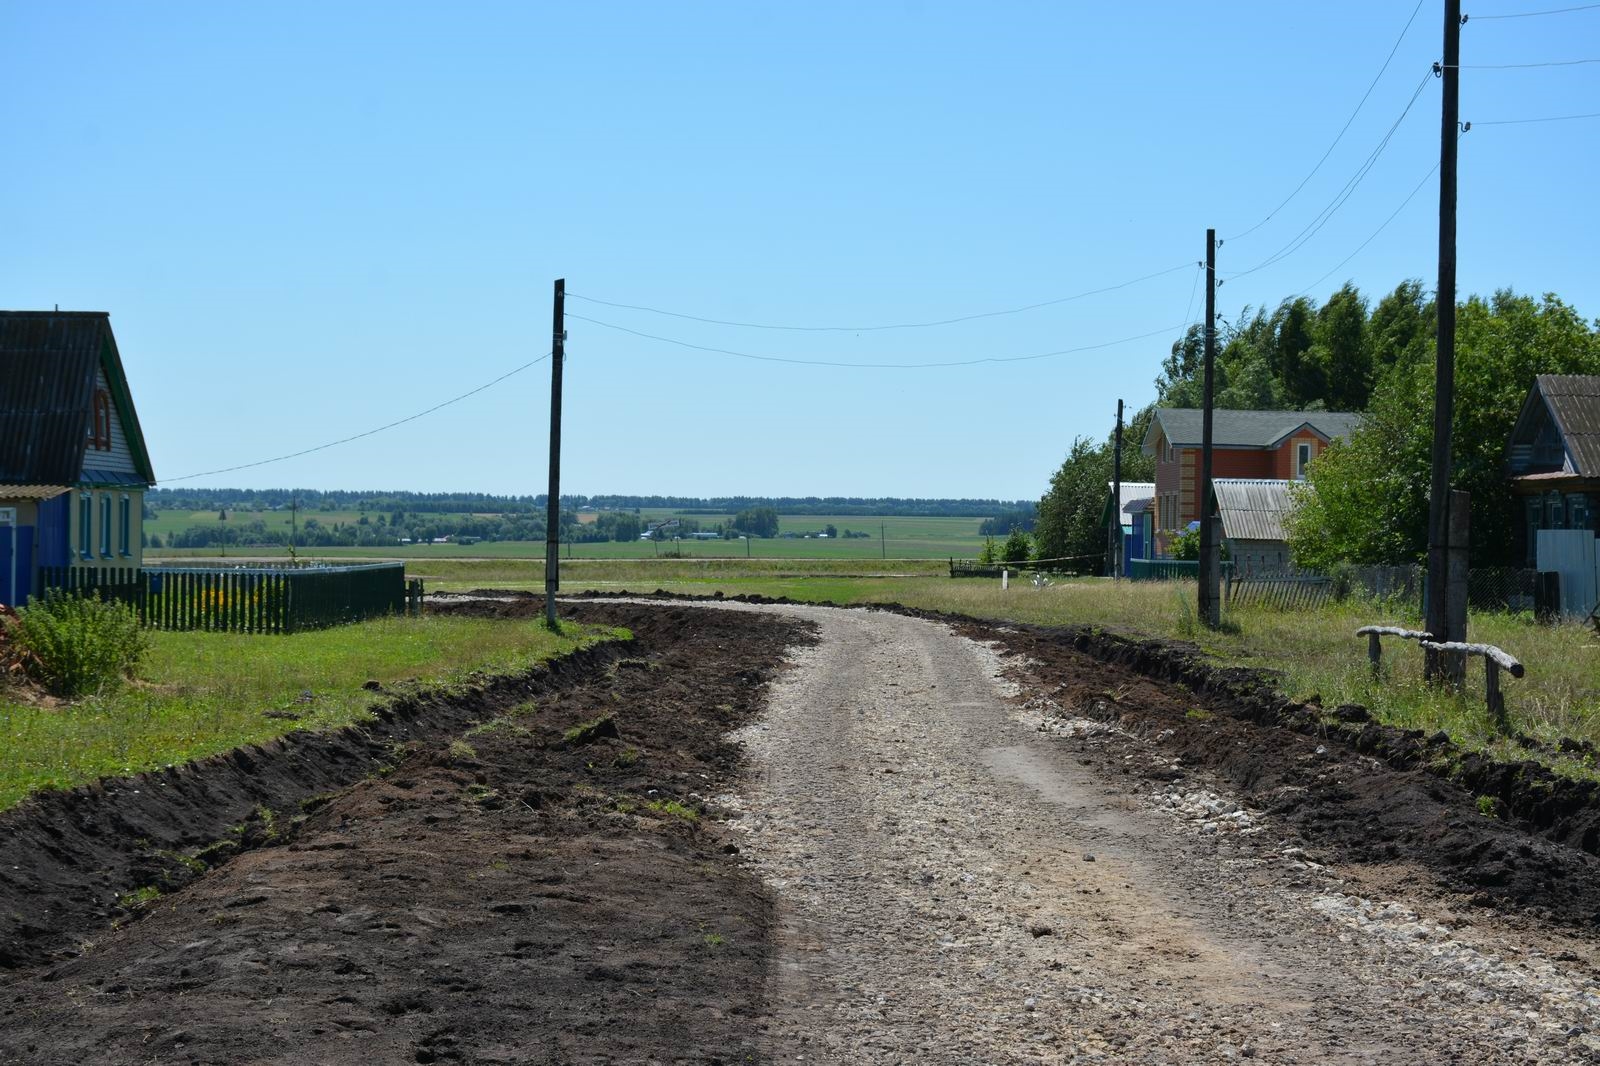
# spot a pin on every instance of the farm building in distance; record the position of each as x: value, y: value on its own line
x: 1252, y: 511
x: 73, y: 464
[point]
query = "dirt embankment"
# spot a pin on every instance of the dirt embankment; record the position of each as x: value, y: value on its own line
x: 1362, y: 791
x: 531, y: 863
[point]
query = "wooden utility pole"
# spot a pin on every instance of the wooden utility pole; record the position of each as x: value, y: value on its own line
x: 1115, y: 532
x: 552, y: 536
x: 1210, y: 593
x: 1440, y: 590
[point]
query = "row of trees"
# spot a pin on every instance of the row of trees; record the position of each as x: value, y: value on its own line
x: 1369, y: 496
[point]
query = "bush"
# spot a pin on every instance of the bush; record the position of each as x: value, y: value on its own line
x: 78, y: 644
x: 1018, y: 547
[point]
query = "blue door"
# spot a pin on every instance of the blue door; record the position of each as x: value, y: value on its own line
x: 16, y: 564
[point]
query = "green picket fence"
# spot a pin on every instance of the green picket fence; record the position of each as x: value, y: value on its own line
x: 247, y: 599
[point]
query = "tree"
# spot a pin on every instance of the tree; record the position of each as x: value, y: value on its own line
x: 626, y: 527
x: 1340, y: 349
x: 830, y: 530
x: 757, y: 522
x: 1017, y: 548
x: 1068, y: 523
x: 1368, y: 499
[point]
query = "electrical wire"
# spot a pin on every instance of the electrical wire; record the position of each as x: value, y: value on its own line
x: 1522, y: 66
x: 875, y: 329
x: 1523, y: 121
x: 1342, y: 130
x: 1322, y: 218
x: 870, y: 366
x: 368, y: 433
x: 1532, y: 14
x: 1409, y: 197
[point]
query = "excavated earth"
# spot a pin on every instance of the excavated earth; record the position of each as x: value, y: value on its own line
x: 765, y: 832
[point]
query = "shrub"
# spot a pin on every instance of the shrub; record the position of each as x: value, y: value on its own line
x: 79, y: 644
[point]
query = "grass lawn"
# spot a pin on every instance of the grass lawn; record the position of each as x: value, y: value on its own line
x: 1316, y: 652
x: 203, y: 693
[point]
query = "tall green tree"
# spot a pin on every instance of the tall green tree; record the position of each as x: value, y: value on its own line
x: 1369, y: 498
x: 1068, y: 523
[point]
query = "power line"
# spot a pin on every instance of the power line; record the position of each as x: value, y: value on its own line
x: 875, y: 329
x: 368, y: 433
x: 1532, y: 14
x: 1409, y: 197
x: 1322, y: 218
x: 1522, y: 121
x: 871, y: 366
x: 1342, y: 129
x: 1525, y: 66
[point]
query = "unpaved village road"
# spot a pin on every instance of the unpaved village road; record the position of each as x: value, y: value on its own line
x: 779, y: 833
x: 955, y: 885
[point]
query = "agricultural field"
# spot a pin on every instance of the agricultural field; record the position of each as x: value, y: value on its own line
x: 892, y: 537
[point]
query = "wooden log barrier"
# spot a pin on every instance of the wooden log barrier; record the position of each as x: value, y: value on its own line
x: 1494, y: 660
x: 1375, y: 634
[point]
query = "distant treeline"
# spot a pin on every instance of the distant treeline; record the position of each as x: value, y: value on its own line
x: 485, y: 503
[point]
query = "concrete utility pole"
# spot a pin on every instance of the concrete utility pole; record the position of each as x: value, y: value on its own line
x: 552, y: 536
x: 1115, y: 532
x: 1441, y: 591
x: 1210, y: 563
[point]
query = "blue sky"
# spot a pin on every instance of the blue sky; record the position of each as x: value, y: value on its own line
x: 308, y: 220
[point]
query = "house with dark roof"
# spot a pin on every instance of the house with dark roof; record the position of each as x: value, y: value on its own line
x: 1553, y: 458
x: 1276, y: 445
x: 73, y: 462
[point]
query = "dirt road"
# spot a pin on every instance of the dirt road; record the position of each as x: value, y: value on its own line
x: 784, y: 833
x: 963, y: 879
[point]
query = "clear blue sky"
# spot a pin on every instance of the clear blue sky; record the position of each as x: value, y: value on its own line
x: 308, y: 219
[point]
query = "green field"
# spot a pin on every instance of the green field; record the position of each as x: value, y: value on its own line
x: 892, y: 537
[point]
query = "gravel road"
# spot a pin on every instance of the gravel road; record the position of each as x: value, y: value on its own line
x: 965, y: 873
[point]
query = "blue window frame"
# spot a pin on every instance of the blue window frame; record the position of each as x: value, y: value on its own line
x: 124, y: 524
x: 86, y: 526
x: 105, y: 525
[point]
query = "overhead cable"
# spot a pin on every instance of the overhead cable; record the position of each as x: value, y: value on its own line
x: 1322, y: 218
x: 879, y: 328
x: 368, y: 433
x: 1523, y: 121
x: 1342, y: 129
x: 1523, y: 66
x: 1532, y: 14
x: 870, y: 366
x: 1409, y: 197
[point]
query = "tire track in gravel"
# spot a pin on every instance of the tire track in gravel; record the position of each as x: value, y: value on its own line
x: 930, y: 851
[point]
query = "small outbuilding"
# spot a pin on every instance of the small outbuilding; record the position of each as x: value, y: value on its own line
x: 1252, y: 511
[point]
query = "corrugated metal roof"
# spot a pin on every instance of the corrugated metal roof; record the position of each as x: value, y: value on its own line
x: 31, y: 492
x: 1132, y: 491
x: 1253, y: 508
x: 1574, y: 400
x: 48, y: 366
x: 1184, y: 426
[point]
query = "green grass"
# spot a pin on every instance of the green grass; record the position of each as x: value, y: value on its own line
x: 203, y: 693
x: 904, y: 537
x: 1315, y: 652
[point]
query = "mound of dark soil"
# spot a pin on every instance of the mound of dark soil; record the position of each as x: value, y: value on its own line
x: 498, y: 891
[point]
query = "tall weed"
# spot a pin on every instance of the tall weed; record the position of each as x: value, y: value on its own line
x: 79, y: 644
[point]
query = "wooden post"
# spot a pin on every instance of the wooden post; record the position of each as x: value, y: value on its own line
x: 1115, y: 532
x: 1375, y: 652
x: 1456, y: 572
x: 1440, y: 588
x: 1210, y: 608
x: 552, y: 536
x: 1495, y: 698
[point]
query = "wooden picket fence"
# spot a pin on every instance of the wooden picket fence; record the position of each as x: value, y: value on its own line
x: 247, y: 599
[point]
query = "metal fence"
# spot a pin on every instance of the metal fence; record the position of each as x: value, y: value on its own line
x: 247, y: 599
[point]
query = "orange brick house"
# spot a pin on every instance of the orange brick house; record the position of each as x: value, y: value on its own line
x: 1245, y: 444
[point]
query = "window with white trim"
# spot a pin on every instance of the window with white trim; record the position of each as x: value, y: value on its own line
x: 1302, y: 458
x: 86, y: 526
x: 124, y: 524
